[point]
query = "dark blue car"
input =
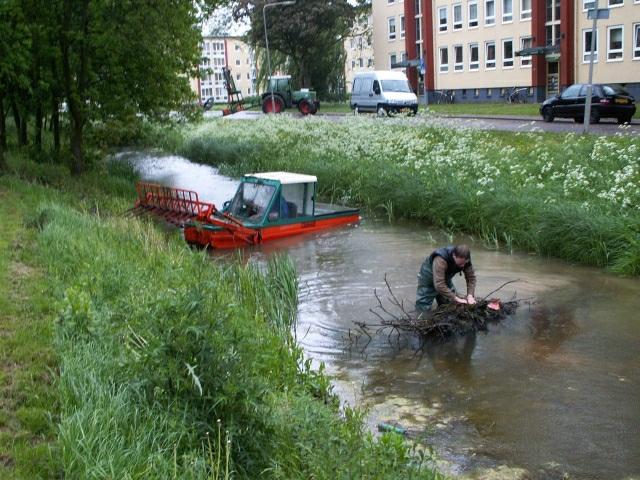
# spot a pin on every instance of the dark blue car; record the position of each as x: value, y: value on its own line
x: 607, y: 101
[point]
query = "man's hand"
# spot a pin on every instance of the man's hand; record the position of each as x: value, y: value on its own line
x: 460, y: 300
x: 471, y: 300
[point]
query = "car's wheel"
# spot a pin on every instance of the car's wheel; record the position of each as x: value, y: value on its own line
x: 623, y: 120
x: 595, y: 116
x: 578, y: 119
x: 547, y: 115
x: 381, y: 111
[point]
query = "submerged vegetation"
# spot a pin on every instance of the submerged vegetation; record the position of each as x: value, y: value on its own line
x: 168, y: 364
x: 563, y: 195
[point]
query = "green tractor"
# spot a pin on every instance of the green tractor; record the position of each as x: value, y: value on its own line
x: 283, y: 97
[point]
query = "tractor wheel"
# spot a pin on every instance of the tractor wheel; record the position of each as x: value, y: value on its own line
x: 306, y: 107
x: 277, y: 106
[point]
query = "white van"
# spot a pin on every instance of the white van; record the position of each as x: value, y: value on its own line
x: 384, y: 92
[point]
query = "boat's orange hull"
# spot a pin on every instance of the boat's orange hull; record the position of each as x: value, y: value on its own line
x: 224, y: 239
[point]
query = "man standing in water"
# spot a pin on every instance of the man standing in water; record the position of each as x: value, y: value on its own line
x: 436, y: 275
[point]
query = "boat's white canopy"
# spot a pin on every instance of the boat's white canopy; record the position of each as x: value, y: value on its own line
x: 285, y: 178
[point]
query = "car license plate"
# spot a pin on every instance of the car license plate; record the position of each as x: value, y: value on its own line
x: 622, y: 100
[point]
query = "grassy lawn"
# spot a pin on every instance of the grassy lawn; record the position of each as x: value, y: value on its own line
x: 27, y: 357
x: 485, y: 109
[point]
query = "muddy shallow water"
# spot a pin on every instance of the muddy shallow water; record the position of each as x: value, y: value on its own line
x: 553, y: 390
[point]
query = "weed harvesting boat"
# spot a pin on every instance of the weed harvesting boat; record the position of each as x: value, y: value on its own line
x: 267, y: 206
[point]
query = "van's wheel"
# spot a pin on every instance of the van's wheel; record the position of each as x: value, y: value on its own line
x: 547, y: 116
x: 356, y: 110
x: 306, y: 107
x: 595, y: 116
x: 381, y: 111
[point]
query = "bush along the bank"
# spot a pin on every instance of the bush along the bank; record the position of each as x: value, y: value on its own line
x: 563, y: 195
x: 175, y: 366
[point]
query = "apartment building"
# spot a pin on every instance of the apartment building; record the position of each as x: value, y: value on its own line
x: 389, y: 33
x: 230, y: 52
x: 359, y: 48
x: 482, y: 49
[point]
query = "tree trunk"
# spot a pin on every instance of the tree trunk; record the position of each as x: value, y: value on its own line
x: 16, y: 118
x: 23, y: 131
x: 3, y: 135
x: 75, y: 83
x: 38, y: 133
x: 76, y: 146
x: 3, y: 126
x: 55, y: 125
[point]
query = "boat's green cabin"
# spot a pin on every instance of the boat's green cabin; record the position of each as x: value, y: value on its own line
x: 273, y: 197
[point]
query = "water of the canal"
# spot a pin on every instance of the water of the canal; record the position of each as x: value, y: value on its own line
x: 554, y: 389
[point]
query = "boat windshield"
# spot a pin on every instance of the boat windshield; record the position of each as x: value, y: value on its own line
x: 251, y: 201
x: 396, y: 86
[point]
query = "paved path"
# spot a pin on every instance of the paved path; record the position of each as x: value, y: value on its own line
x: 487, y: 122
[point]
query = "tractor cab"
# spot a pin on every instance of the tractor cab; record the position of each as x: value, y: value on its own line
x: 273, y: 197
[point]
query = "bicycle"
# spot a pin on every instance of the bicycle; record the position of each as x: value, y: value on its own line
x: 517, y: 95
x: 445, y: 96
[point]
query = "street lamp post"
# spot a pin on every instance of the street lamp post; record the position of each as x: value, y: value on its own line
x: 593, y: 13
x: 266, y: 42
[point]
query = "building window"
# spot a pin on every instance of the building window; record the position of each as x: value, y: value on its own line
x: 401, y: 26
x: 473, y: 14
x: 636, y: 41
x: 389, y: 2
x: 392, y: 60
x: 525, y: 42
x: 353, y: 64
x: 238, y: 76
x: 525, y: 9
x: 476, y: 92
x: 418, y: 29
x: 237, y: 47
x: 457, y: 16
x: 474, y: 54
x: 507, y: 53
x: 615, y: 3
x: 238, y: 62
x: 392, y: 28
x: 507, y: 11
x: 370, y: 62
x: 489, y: 92
x: 490, y: 55
x: 586, y: 46
x: 361, y: 62
x: 489, y: 12
x: 458, y: 65
x: 418, y: 7
x: 614, y: 43
x: 442, y: 16
x: 444, y: 59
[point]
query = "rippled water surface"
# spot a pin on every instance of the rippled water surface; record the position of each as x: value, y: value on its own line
x: 554, y: 389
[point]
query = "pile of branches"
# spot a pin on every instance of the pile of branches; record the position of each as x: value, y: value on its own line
x: 445, y: 320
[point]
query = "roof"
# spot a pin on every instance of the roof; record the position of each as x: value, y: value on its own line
x: 285, y: 177
x: 383, y: 74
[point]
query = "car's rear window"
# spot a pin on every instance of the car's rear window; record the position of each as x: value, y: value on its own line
x: 614, y: 90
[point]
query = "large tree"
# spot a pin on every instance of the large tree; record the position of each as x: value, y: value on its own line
x: 14, y: 63
x: 309, y: 35
x: 125, y: 57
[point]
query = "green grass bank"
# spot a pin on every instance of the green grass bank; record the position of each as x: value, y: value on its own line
x: 160, y: 362
x: 561, y: 195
